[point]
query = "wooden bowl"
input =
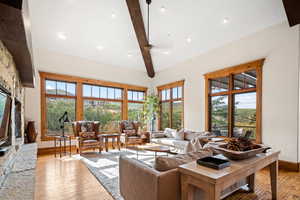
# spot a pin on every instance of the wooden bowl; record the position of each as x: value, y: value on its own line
x: 240, y: 155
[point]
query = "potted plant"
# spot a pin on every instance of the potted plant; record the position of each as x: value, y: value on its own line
x: 151, y: 109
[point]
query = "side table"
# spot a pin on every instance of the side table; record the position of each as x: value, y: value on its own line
x: 62, y: 145
x: 113, y: 136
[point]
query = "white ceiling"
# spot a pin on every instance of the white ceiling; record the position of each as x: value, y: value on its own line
x: 88, y: 24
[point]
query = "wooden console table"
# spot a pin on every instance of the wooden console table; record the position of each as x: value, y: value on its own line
x: 213, y: 182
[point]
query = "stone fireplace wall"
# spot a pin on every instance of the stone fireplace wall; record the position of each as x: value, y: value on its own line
x: 9, y: 79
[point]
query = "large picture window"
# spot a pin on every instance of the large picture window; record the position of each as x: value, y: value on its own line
x: 60, y: 98
x: 86, y: 99
x: 103, y: 104
x: 233, y: 101
x: 171, y: 105
x: 135, y: 104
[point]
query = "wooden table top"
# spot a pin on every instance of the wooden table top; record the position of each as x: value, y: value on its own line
x: 237, y: 168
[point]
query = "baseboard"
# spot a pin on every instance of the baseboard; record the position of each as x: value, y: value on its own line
x: 289, y: 166
x: 51, y: 150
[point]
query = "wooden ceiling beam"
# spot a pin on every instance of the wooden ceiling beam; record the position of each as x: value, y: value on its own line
x: 13, y: 36
x: 139, y: 27
x: 292, y: 9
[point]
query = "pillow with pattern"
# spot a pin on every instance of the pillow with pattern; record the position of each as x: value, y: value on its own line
x: 87, y: 127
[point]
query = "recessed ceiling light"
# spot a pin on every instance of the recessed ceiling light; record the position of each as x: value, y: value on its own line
x: 225, y: 20
x: 100, y: 47
x: 189, y: 40
x: 166, y: 52
x: 129, y: 55
x: 162, y: 9
x: 61, y: 35
x: 113, y: 15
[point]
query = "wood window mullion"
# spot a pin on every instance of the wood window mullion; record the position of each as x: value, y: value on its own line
x: 79, y: 102
x: 230, y: 107
x: 171, y: 109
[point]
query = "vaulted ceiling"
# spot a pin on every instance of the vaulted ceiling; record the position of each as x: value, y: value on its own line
x: 102, y: 30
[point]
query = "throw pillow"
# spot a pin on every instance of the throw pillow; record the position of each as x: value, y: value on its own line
x: 128, y: 125
x: 130, y: 133
x: 86, y: 135
x: 87, y: 127
x: 170, y: 133
x: 180, y: 135
x: 168, y: 163
x: 188, y: 134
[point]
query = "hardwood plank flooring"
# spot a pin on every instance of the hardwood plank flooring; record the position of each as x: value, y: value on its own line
x: 67, y: 178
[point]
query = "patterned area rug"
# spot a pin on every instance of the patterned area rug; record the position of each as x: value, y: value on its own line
x: 105, y: 167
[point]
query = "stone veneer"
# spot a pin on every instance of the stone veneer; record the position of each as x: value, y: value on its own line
x: 10, y: 162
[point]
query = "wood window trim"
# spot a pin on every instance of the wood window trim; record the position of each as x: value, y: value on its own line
x: 170, y: 86
x: 229, y: 72
x: 79, y: 81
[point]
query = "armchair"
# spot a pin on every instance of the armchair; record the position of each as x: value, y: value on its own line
x: 86, y: 133
x: 130, y: 133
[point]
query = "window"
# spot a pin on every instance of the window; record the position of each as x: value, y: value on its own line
x: 219, y: 115
x: 103, y: 104
x: 171, y: 105
x: 60, y: 88
x: 233, y: 101
x: 60, y: 98
x: 86, y: 99
x: 55, y: 109
x: 106, y: 112
x: 135, y: 104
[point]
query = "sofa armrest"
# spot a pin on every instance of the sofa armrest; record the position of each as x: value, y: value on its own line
x: 137, y: 181
x: 140, y: 181
x: 169, y: 185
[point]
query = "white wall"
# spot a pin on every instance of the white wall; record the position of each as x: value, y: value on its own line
x: 280, y: 46
x: 63, y: 64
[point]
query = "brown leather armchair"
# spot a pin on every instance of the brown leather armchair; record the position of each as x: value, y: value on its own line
x: 86, y: 133
x: 130, y: 133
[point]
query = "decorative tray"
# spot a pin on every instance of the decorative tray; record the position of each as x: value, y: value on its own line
x: 213, y: 162
x: 240, y: 155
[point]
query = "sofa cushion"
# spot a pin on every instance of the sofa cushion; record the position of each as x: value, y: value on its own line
x: 190, y: 135
x: 170, y: 133
x: 168, y: 163
x: 87, y: 135
x: 172, y: 142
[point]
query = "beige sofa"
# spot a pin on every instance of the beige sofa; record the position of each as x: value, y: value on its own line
x: 139, y: 181
x: 182, y: 141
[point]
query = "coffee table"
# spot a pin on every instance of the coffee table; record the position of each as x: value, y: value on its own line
x: 156, y: 148
x: 214, y: 182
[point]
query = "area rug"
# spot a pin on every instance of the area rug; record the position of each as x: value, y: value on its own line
x: 105, y: 167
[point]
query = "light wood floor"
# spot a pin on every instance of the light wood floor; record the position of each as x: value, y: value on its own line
x: 66, y: 179
x: 69, y: 179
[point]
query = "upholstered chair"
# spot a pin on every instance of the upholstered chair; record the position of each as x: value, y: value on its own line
x: 130, y: 133
x: 86, y: 133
